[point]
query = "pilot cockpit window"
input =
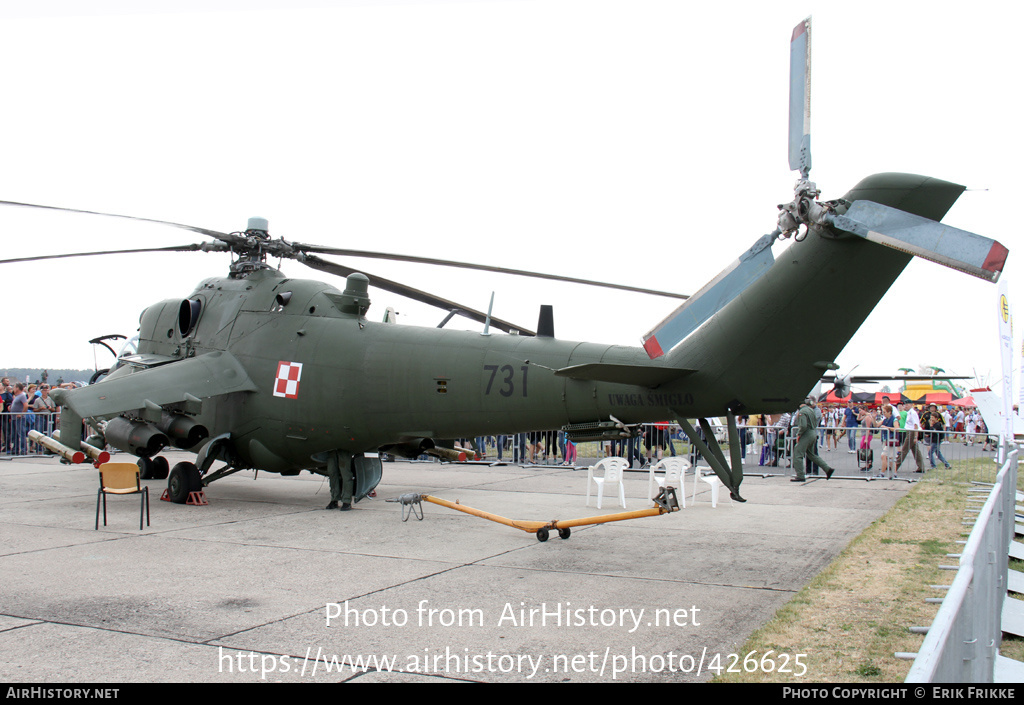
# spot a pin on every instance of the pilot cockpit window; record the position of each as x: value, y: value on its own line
x: 130, y: 347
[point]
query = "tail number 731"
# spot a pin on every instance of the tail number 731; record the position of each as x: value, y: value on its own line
x: 506, y: 377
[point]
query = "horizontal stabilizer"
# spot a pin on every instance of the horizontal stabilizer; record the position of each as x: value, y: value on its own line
x: 640, y: 375
x: 729, y: 284
x: 974, y: 254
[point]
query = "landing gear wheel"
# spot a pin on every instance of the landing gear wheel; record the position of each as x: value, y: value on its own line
x: 564, y: 533
x: 184, y: 478
x: 161, y: 467
x: 542, y: 535
x: 153, y: 468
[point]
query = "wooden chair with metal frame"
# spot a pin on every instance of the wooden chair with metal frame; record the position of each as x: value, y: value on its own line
x: 121, y: 478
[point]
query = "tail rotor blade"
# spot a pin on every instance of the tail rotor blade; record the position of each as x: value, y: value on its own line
x: 967, y: 252
x: 729, y: 284
x: 800, y: 99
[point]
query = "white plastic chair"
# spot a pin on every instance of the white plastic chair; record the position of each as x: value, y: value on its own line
x: 611, y: 469
x: 712, y: 479
x: 674, y: 469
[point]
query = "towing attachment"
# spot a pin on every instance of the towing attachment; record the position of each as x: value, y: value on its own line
x: 665, y: 503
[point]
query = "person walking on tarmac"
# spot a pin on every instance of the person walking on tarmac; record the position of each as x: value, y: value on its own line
x: 806, y: 429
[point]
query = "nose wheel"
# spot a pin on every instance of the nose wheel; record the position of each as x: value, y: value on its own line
x: 155, y: 468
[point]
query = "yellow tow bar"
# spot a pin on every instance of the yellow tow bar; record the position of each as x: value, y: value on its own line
x: 664, y: 503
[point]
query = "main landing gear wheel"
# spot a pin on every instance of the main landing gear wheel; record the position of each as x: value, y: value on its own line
x: 564, y: 533
x: 183, y: 479
x: 542, y: 535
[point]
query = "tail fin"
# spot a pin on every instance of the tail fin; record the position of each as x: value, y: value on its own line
x: 780, y: 323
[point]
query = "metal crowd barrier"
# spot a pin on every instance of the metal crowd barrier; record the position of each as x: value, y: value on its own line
x: 768, y: 450
x: 962, y: 644
x: 970, y: 456
x: 14, y: 430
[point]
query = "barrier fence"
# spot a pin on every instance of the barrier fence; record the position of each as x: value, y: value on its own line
x: 962, y: 643
x: 14, y: 430
x: 766, y: 450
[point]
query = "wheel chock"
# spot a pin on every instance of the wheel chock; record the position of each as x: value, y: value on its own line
x: 196, y: 499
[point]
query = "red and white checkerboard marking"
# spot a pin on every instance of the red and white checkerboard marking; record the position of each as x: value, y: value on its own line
x: 287, y: 382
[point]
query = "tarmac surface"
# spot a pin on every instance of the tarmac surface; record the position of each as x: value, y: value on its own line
x: 264, y: 585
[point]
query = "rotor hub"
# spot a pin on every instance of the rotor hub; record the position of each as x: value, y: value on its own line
x: 258, y: 225
x: 805, y: 209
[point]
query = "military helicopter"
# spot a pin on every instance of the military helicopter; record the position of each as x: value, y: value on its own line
x: 260, y: 370
x: 842, y: 384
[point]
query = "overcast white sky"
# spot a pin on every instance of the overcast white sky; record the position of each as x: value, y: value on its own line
x: 635, y: 141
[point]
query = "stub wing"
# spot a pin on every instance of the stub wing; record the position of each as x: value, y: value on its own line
x: 201, y: 377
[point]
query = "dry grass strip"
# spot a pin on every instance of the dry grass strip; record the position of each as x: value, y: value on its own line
x: 852, y: 618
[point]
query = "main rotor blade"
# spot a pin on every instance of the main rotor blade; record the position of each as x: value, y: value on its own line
x: 224, y: 237
x: 481, y: 267
x: 866, y: 379
x: 800, y: 98
x: 414, y: 294
x: 205, y: 247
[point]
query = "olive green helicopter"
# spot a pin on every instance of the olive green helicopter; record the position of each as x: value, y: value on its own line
x: 259, y: 370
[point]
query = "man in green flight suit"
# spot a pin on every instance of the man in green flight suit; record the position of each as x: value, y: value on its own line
x: 807, y: 441
x: 342, y: 479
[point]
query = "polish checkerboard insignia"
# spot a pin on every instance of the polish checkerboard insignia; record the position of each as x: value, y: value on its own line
x: 287, y: 382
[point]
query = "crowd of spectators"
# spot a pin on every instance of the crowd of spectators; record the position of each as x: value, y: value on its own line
x: 554, y: 447
x: 901, y: 427
x: 26, y: 407
x: 902, y: 430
